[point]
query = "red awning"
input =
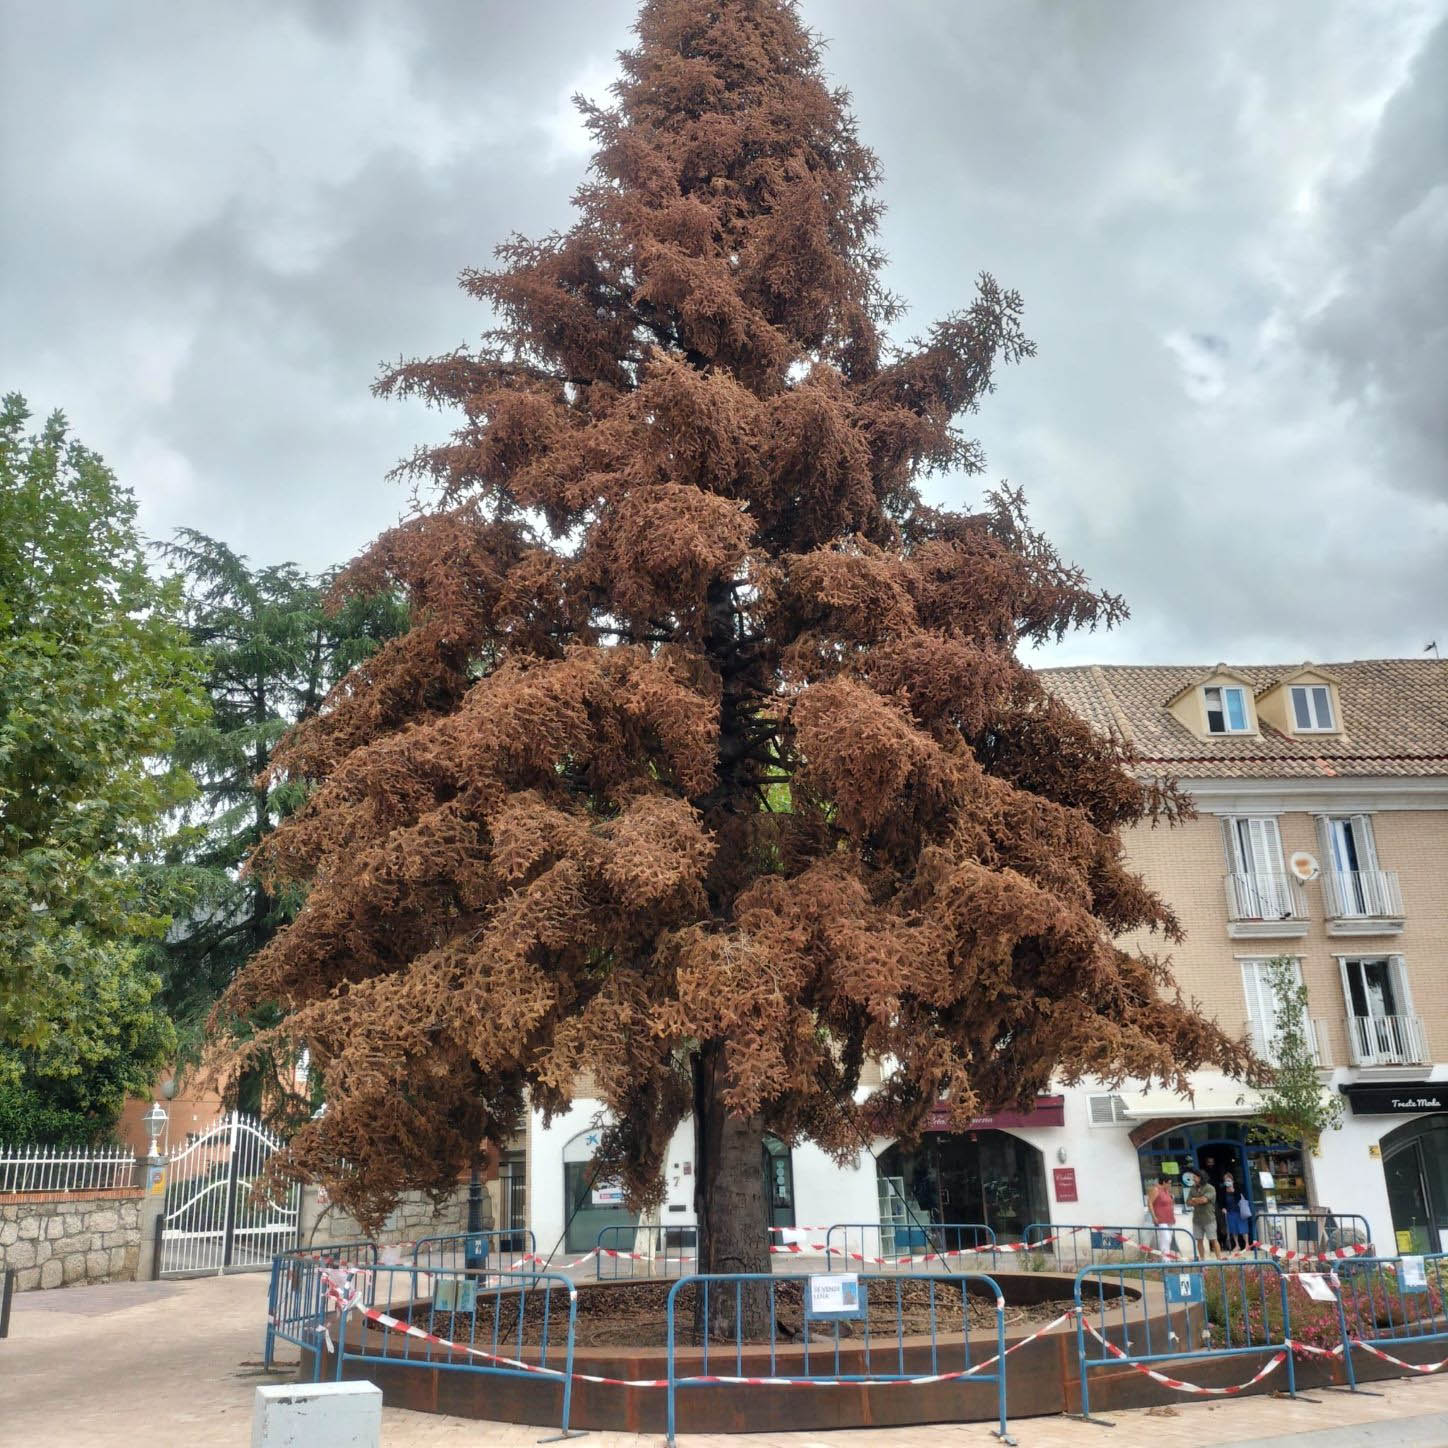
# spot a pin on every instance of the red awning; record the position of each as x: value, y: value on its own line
x: 1048, y: 1111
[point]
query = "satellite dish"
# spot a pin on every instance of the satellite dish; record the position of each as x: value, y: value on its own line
x: 1304, y: 866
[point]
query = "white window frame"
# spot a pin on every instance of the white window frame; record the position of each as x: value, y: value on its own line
x: 1402, y: 991
x: 1261, y: 1004
x: 1349, y: 898
x: 1221, y: 691
x: 1257, y: 861
x: 1309, y: 693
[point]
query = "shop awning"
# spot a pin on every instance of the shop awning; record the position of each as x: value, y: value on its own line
x: 1213, y: 1095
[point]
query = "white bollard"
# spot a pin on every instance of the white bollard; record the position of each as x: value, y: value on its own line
x: 317, y: 1415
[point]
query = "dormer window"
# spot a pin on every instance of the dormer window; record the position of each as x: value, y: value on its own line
x: 1312, y: 709
x: 1226, y: 709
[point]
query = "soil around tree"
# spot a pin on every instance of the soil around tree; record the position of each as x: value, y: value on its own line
x: 633, y: 1314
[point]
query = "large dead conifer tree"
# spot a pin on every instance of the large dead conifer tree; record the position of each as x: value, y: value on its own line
x: 708, y: 766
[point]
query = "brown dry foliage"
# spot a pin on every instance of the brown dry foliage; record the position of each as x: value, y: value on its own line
x: 706, y: 730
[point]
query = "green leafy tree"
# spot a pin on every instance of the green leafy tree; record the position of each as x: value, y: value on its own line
x: 97, y: 679
x: 106, y: 1037
x: 271, y: 652
x: 1295, y: 1104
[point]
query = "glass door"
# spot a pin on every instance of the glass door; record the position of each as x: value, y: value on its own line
x: 1408, y: 1199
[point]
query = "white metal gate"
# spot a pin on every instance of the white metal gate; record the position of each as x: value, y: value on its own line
x: 211, y: 1223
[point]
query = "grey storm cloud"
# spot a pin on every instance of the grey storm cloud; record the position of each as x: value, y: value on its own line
x: 1229, y: 222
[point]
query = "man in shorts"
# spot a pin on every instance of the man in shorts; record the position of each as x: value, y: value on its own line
x: 1201, y: 1197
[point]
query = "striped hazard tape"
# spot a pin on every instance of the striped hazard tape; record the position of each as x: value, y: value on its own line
x: 393, y: 1324
x: 1337, y: 1254
x: 1176, y: 1384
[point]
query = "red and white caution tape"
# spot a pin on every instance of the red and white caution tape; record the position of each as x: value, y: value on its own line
x: 1387, y: 1357
x: 394, y: 1324
x: 1176, y: 1384
x: 1338, y: 1254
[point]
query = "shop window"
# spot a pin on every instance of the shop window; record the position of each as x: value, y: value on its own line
x: 591, y: 1201
x: 1215, y: 1148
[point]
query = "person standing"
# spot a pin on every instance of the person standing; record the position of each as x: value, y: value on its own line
x: 1239, y: 1214
x: 1201, y: 1197
x: 1162, y: 1206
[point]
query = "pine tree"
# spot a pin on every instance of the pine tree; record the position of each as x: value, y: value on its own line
x: 708, y: 765
x: 270, y: 651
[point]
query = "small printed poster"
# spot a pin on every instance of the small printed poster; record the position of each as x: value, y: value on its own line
x: 1404, y: 1241
x: 1412, y: 1275
x: 1064, y: 1178
x: 835, y: 1295
x: 455, y: 1294
x: 1317, y: 1286
x: 607, y: 1195
x: 155, y: 1181
x: 1170, y: 1168
x: 1264, y: 1178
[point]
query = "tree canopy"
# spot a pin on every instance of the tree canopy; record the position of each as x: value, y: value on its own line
x: 96, y: 679
x: 708, y: 765
x: 270, y: 651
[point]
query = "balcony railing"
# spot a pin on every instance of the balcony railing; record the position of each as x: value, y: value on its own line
x: 1362, y: 894
x: 1264, y: 899
x: 1387, y: 1040
x: 1263, y: 1040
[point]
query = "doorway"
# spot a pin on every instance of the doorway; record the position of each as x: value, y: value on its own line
x: 1415, y: 1168
x: 987, y: 1177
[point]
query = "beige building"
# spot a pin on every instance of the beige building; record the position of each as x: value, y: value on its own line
x: 1321, y: 835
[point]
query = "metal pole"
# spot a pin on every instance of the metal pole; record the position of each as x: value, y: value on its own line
x: 473, y: 1257
x: 233, y: 1171
x: 5, y: 1297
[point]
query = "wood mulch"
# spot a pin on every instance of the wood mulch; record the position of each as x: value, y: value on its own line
x: 632, y: 1314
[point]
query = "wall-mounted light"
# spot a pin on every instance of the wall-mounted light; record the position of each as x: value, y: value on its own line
x: 1061, y: 1155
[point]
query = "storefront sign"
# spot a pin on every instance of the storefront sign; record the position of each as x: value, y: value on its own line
x: 834, y: 1296
x: 1047, y: 1111
x: 1064, y: 1180
x: 607, y: 1196
x: 1397, y: 1100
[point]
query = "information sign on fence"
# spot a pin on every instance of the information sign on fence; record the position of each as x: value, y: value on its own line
x: 834, y: 1296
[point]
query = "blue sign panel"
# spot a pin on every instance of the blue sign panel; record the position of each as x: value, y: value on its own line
x: 1185, y: 1287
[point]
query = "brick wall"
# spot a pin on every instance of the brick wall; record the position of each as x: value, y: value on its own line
x: 1186, y: 866
x: 55, y: 1240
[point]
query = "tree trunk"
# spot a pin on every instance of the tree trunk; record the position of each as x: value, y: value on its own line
x: 729, y: 1203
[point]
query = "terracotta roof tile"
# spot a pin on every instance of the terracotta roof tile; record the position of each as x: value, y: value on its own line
x: 1394, y: 717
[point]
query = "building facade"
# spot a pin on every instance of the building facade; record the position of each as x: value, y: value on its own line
x: 1321, y: 835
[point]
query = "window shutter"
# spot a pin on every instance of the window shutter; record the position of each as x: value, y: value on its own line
x: 1329, y: 864
x: 1362, y: 838
x: 1403, y: 997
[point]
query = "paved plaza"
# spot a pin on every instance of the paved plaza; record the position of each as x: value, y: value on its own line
x: 175, y: 1365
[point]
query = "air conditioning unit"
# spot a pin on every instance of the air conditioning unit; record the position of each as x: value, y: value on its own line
x: 1304, y: 866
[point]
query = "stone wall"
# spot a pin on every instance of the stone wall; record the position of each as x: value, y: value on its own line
x: 54, y: 1240
x: 412, y: 1218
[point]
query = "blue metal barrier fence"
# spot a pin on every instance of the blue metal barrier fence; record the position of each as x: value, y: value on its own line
x: 1148, y: 1313
x: 294, y: 1306
x: 657, y: 1251
x: 506, y: 1250
x: 1073, y: 1246
x: 880, y: 1246
x: 1311, y: 1231
x: 904, y: 1328
x: 498, y: 1324
x: 1392, y: 1302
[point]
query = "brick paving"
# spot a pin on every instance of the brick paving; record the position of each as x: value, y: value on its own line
x: 175, y: 1365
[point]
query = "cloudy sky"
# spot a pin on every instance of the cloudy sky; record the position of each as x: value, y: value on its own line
x: 1229, y: 222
